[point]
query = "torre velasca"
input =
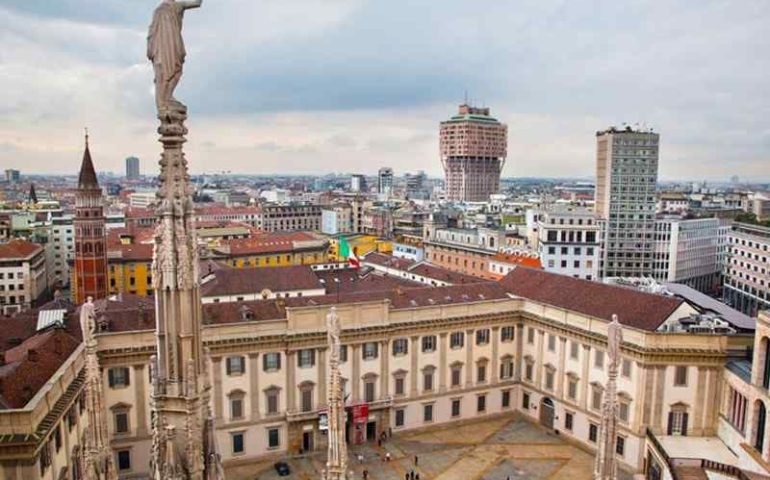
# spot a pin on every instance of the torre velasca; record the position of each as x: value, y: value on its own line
x: 473, y: 148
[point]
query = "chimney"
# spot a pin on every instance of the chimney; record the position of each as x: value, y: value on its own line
x: 32, y: 355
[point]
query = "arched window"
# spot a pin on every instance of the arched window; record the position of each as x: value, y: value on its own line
x: 764, y: 350
x: 759, y: 426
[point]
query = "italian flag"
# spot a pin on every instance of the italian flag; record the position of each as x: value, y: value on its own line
x: 347, y: 252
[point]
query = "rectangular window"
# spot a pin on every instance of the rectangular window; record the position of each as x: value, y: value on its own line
x: 680, y: 376
x: 306, y: 358
x: 528, y: 368
x: 620, y: 446
x: 551, y: 343
x: 118, y: 377
x: 531, y: 336
x: 427, y: 413
x: 593, y: 431
x: 549, y: 379
x: 599, y: 359
x: 235, y: 365
x: 307, y: 399
x: 626, y: 368
x: 455, y: 407
x: 525, y: 400
x: 482, y: 336
x: 272, y: 402
x: 506, y: 399
x: 568, y: 420
x: 121, y: 422
x: 271, y: 362
x: 399, y: 385
x: 428, y: 344
x: 572, y: 389
x: 400, y: 347
x: 456, y: 376
x: 457, y: 340
x: 369, y: 392
x: 369, y: 351
x: 506, y: 369
x: 507, y: 334
x: 400, y: 417
x: 623, y: 412
x: 124, y: 460
x: 343, y: 353
x: 427, y: 381
x: 596, y: 398
x: 481, y: 373
x: 481, y: 403
x: 273, y: 438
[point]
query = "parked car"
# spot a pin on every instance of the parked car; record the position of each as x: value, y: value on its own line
x: 283, y: 469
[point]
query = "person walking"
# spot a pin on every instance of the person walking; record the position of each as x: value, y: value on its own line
x: 416, y: 460
x: 387, y: 457
x: 366, y: 474
x: 416, y: 476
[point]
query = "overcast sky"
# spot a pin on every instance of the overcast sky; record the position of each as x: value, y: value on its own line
x: 312, y: 86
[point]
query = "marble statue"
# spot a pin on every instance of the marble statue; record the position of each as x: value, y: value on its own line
x: 165, y: 49
x: 606, y: 464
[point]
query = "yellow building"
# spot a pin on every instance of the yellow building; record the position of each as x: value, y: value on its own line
x: 360, y: 245
x: 273, y: 250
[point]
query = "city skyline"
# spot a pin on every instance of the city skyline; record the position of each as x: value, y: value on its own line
x: 699, y: 80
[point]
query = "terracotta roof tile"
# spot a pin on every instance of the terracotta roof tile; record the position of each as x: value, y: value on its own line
x: 644, y: 311
x: 235, y: 281
x: 18, y: 249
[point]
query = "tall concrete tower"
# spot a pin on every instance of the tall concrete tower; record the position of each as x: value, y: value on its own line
x: 132, y: 168
x: 626, y: 177
x: 90, y: 236
x: 473, y: 148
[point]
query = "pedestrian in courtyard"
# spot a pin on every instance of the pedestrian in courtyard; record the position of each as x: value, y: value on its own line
x: 416, y: 460
x: 416, y: 476
x: 406, y: 476
x: 366, y: 474
x: 387, y: 456
x: 360, y: 458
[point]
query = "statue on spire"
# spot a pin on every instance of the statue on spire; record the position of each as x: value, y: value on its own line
x: 337, y: 459
x: 165, y: 49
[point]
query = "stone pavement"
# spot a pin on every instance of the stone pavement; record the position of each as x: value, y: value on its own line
x: 488, y: 449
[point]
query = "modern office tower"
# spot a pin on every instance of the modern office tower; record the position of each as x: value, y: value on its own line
x: 385, y: 181
x: 12, y: 176
x: 626, y: 175
x: 747, y: 274
x: 473, y: 148
x: 90, y: 235
x: 132, y: 168
x: 357, y: 183
x: 687, y: 251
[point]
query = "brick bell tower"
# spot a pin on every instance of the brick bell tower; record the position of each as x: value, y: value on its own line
x: 90, y: 237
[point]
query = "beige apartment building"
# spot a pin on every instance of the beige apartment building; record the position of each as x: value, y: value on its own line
x: 533, y: 343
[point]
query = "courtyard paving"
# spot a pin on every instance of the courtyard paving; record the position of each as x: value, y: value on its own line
x: 491, y: 449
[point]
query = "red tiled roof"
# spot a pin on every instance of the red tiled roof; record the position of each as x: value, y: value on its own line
x: 644, y: 311
x: 269, y: 242
x: 351, y: 281
x: 235, y: 281
x: 136, y: 251
x: 516, y: 259
x: 18, y: 249
x: 390, y: 261
x: 28, y: 366
x: 437, y: 273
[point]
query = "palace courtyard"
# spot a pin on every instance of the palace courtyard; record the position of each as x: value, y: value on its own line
x: 490, y: 449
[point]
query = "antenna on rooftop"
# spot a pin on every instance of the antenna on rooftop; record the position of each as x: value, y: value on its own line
x: 466, y: 96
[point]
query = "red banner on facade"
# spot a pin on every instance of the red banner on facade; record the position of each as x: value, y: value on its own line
x: 361, y: 413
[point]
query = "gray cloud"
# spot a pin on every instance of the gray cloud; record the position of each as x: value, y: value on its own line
x: 360, y: 83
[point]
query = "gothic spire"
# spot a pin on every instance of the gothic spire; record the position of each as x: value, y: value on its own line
x: 87, y: 177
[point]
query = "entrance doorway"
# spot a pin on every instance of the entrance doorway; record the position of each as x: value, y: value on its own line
x: 546, y: 413
x: 371, y: 431
x: 307, y: 441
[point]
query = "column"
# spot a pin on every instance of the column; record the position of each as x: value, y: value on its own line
x: 355, y: 381
x: 413, y: 369
x: 517, y: 357
x: 384, y: 369
x: 216, y: 366
x: 539, y: 358
x: 495, y: 361
x: 254, y: 385
x: 584, y: 376
x: 291, y: 382
x: 560, y: 373
x: 442, y: 366
x: 469, y: 366
x: 322, y: 371
x: 141, y: 408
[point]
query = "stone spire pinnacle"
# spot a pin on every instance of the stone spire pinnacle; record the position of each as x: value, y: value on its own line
x: 87, y: 178
x: 606, y: 465
x: 96, y: 455
x: 337, y: 458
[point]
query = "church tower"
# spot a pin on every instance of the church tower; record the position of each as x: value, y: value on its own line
x: 90, y: 237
